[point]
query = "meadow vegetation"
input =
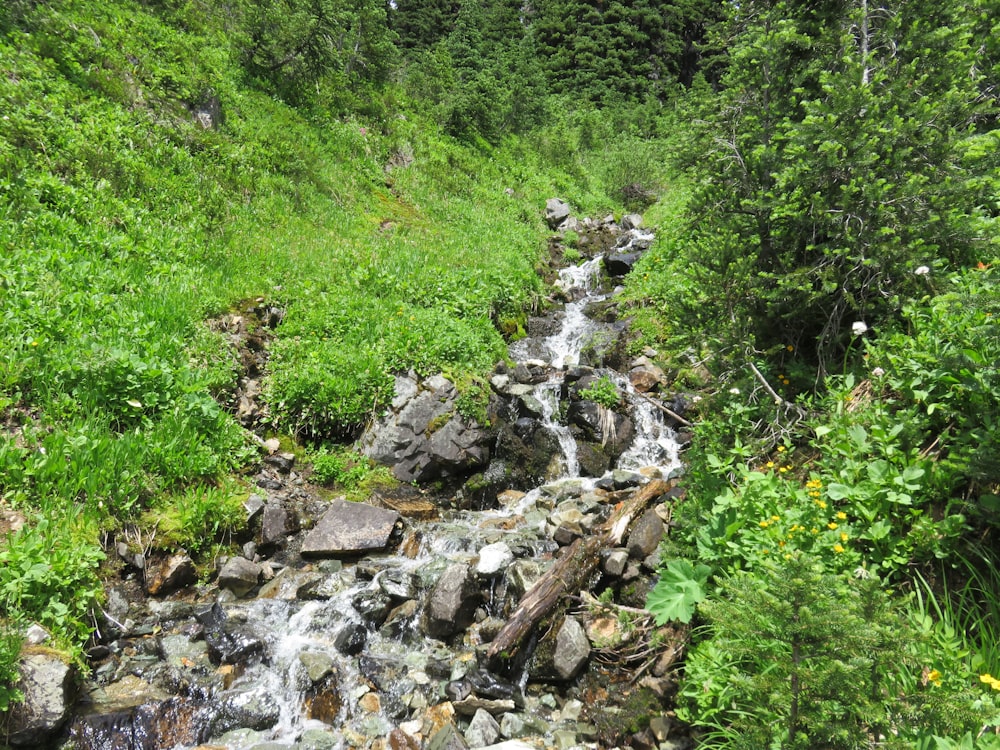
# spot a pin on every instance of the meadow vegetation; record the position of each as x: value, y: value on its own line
x: 823, y: 182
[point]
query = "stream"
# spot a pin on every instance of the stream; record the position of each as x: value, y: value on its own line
x: 333, y: 654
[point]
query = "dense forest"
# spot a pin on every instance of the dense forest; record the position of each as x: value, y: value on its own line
x: 824, y: 179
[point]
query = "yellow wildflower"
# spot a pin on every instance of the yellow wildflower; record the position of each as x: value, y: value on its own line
x: 764, y: 524
x: 831, y: 525
x: 838, y: 548
x: 843, y: 536
x: 842, y: 516
x: 770, y: 464
x: 821, y: 504
x: 781, y: 449
x: 990, y: 680
x: 934, y: 676
x: 775, y: 518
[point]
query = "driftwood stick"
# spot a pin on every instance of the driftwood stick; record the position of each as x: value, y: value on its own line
x: 571, y: 571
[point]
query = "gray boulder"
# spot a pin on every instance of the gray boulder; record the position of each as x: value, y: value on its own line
x: 561, y: 655
x: 645, y: 536
x: 349, y: 528
x: 239, y: 575
x: 423, y: 437
x: 556, y: 212
x: 452, y: 603
x: 46, y: 682
x: 483, y: 729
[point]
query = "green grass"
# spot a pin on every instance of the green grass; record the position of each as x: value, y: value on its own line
x: 127, y: 227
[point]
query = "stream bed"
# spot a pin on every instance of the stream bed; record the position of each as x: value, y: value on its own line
x: 385, y: 648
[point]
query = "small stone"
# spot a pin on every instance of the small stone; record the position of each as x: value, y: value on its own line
x: 494, y: 558
x: 239, y: 575
x: 483, y: 729
x: 660, y: 727
x: 614, y: 562
x: 317, y: 665
x: 370, y: 702
x: 36, y: 635
x: 564, y: 739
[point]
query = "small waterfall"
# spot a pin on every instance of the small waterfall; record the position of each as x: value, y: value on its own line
x: 398, y: 665
x: 548, y: 396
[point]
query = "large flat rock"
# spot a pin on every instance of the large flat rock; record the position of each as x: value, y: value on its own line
x: 349, y: 528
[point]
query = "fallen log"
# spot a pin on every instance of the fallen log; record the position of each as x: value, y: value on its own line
x: 571, y: 572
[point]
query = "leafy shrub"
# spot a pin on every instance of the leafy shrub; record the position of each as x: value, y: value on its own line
x: 794, y: 657
x: 10, y: 652
x: 602, y: 391
x: 343, y: 467
x: 48, y: 573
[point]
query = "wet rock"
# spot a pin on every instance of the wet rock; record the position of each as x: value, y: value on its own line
x: 399, y: 623
x: 178, y: 650
x: 348, y: 528
x: 168, y: 723
x: 351, y: 639
x: 645, y: 376
x: 402, y: 740
x: 228, y: 641
x: 631, y: 221
x: 398, y: 585
x: 452, y: 602
x: 318, y: 739
x: 323, y: 702
x: 251, y: 708
x: 522, y: 575
x: 317, y: 664
x: 319, y: 587
x: 646, y: 535
x: 483, y: 729
x: 283, y: 462
x: 496, y: 706
x: 373, y: 604
x: 166, y: 575
x: 47, y: 682
x: 494, y: 559
x: 621, y: 264
x: 239, y: 575
x: 556, y: 212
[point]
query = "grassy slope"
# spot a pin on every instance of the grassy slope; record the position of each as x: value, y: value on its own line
x: 126, y: 225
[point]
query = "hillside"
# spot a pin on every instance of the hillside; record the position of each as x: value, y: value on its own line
x: 362, y: 187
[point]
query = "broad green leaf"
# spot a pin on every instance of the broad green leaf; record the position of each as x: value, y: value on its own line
x: 837, y: 491
x: 877, y: 470
x: 680, y: 588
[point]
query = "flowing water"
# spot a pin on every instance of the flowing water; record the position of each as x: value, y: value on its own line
x: 400, y: 671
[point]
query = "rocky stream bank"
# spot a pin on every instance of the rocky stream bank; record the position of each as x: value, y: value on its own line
x: 501, y: 609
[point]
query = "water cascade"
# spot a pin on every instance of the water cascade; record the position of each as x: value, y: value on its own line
x: 335, y: 654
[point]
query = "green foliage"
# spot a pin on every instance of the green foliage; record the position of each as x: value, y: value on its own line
x: 825, y: 184
x: 342, y: 467
x: 801, y: 658
x: 680, y: 588
x: 48, y: 574
x: 10, y: 652
x: 314, y: 52
x: 198, y: 517
x: 602, y: 391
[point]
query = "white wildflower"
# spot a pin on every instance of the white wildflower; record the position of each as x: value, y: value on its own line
x: 878, y: 372
x: 735, y: 391
x: 922, y: 271
x: 859, y: 328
